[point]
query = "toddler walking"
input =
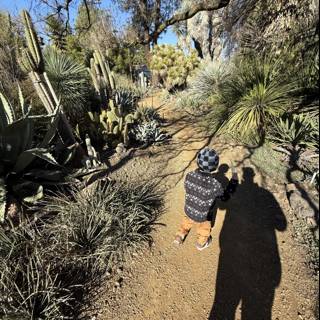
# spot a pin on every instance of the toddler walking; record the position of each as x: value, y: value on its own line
x: 202, y: 191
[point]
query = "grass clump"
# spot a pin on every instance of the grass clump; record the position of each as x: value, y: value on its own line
x: 270, y: 163
x: 48, y: 269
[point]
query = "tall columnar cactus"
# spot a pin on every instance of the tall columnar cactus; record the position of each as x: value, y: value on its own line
x: 32, y: 57
x: 102, y: 77
x: 32, y: 62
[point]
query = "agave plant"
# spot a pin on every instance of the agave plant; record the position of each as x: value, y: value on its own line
x: 16, y: 139
x: 255, y: 94
x: 149, y: 114
x: 126, y: 99
x: 18, y: 153
x: 69, y: 80
x: 294, y: 131
x: 149, y: 132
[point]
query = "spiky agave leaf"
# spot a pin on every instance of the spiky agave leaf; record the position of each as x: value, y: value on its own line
x: 7, y: 115
x: 15, y: 139
x: 149, y: 132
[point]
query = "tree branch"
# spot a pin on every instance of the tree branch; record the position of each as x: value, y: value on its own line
x: 188, y: 14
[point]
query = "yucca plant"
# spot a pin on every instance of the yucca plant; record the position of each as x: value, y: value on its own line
x: 69, y: 80
x: 255, y: 94
x: 207, y: 81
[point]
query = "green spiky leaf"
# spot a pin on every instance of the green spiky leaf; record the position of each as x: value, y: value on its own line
x: 43, y: 154
x: 7, y: 110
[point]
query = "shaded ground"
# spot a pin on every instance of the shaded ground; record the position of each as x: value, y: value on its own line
x: 253, y: 271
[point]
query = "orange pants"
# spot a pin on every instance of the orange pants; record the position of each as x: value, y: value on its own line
x: 203, y: 229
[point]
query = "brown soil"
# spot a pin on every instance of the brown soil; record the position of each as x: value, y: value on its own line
x: 254, y: 270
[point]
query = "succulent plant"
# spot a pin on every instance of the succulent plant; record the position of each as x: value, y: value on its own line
x: 114, y: 122
x: 32, y: 61
x: 173, y: 65
x: 149, y: 114
x: 149, y: 132
x: 102, y: 77
x: 17, y: 152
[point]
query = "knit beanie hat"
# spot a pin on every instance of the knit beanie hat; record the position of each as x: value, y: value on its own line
x: 208, y: 160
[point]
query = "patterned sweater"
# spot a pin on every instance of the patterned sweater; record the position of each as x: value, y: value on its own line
x: 202, y: 190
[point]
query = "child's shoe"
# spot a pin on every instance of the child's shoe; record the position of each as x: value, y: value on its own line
x: 178, y: 240
x: 206, y: 245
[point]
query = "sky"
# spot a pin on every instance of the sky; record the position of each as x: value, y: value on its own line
x: 15, y: 6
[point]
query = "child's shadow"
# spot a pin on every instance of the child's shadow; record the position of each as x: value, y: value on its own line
x: 249, y: 268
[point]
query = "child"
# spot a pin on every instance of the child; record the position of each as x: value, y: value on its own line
x: 202, y: 191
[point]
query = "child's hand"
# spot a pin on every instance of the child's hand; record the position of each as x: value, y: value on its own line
x: 234, y: 172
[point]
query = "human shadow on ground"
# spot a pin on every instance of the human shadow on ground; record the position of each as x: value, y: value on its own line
x: 249, y: 268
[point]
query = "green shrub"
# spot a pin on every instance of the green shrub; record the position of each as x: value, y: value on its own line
x: 85, y: 233
x: 270, y: 163
x: 173, y: 66
x: 28, y: 286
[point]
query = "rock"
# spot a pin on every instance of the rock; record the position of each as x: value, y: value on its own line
x: 120, y: 148
x: 14, y: 210
x: 311, y: 222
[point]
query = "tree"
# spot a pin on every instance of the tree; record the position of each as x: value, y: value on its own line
x: 152, y: 17
x: 96, y: 30
x: 56, y: 31
x: 203, y: 32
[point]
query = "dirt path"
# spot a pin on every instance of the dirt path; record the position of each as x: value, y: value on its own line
x: 253, y: 267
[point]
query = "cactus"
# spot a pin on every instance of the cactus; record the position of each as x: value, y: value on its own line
x: 172, y: 65
x: 3, y: 200
x: 114, y: 122
x: 31, y: 60
x: 92, y: 161
x: 102, y: 77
